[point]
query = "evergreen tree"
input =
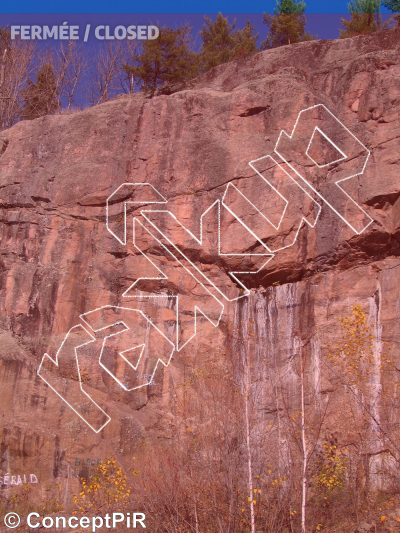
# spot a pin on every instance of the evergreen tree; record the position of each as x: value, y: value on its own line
x: 287, y: 26
x: 289, y: 6
x: 223, y: 43
x: 365, y: 18
x: 167, y: 59
x: 218, y: 41
x: 40, y: 98
x: 364, y: 6
x: 245, y: 42
x: 393, y: 5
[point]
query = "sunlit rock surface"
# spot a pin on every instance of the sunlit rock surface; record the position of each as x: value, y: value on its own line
x: 194, y: 146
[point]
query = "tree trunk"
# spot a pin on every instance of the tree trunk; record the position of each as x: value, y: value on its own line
x: 304, y: 446
x: 2, y: 68
x: 247, y: 415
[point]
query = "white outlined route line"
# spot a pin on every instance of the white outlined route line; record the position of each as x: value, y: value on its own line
x: 286, y: 159
x: 162, y: 275
x: 197, y: 308
x: 157, y: 347
x: 344, y: 156
x: 194, y: 270
x: 47, y: 376
x: 304, y: 219
x: 199, y: 241
x: 151, y: 196
x: 231, y: 186
x: 116, y: 320
x: 92, y: 414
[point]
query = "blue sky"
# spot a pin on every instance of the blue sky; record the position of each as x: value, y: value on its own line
x: 323, y: 18
x: 324, y: 25
x: 161, y: 6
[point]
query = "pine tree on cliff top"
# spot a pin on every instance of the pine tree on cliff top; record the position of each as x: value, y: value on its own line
x: 223, y: 43
x: 393, y: 5
x: 289, y: 7
x: 365, y: 18
x: 364, y: 6
x: 167, y: 59
x: 40, y: 98
x: 245, y: 42
x: 287, y: 26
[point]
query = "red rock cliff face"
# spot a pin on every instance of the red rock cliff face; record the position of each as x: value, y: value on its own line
x: 328, y: 250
